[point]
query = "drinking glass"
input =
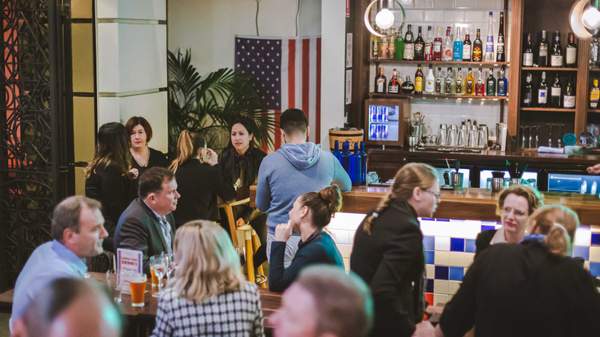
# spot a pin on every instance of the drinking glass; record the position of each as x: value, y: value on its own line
x: 111, y: 282
x: 137, y: 286
x: 159, y: 267
x: 170, y: 261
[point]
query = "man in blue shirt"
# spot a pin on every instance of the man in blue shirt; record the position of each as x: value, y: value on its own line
x: 77, y: 231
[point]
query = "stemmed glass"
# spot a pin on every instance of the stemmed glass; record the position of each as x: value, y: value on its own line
x: 170, y: 262
x: 159, y: 265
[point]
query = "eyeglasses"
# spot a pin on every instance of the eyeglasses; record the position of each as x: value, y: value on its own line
x: 437, y: 195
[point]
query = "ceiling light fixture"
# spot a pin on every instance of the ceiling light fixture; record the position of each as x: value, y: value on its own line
x: 585, y: 18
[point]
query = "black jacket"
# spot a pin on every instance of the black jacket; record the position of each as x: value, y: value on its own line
x: 483, y: 240
x: 319, y: 248
x: 139, y: 228
x: 156, y: 158
x: 199, y: 185
x: 232, y: 165
x: 391, y: 262
x: 524, y: 290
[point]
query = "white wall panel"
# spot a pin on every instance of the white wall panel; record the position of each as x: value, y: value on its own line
x: 132, y: 9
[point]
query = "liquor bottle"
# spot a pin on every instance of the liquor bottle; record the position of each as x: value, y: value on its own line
x: 394, y: 84
x: 594, y: 94
x: 467, y: 48
x: 374, y: 47
x: 391, y: 45
x: 430, y: 81
x: 419, y: 46
x: 528, y: 91
x: 594, y: 50
x: 363, y: 164
x: 354, y: 165
x: 479, y: 86
x: 502, y: 83
x: 438, y: 82
x: 489, y: 41
x: 346, y: 154
x: 556, y: 57
x: 409, y: 45
x: 407, y: 86
x: 528, y: 52
x: 428, y: 51
x: 542, y: 92
x: 571, y: 51
x: 490, y: 85
x: 477, y: 47
x: 399, y: 46
x: 380, y: 81
x: 437, y: 45
x: 457, y: 48
x: 470, y: 83
x: 336, y: 151
x: 555, y: 93
x: 459, y: 87
x: 419, y: 80
x: 447, y: 49
x: 449, y: 82
x: 569, y: 96
x: 383, y: 47
x: 500, y: 52
x: 543, y: 50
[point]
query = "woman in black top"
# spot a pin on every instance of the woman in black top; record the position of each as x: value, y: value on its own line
x: 144, y: 157
x: 310, y: 214
x: 531, y: 289
x: 388, y: 250
x: 110, y: 177
x: 515, y: 205
x: 199, y: 180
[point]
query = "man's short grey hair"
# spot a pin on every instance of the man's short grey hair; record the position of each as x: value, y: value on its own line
x: 66, y: 214
x: 343, y: 301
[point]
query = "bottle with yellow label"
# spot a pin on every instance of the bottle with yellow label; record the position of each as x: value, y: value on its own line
x: 419, y: 80
x: 594, y: 95
x: 469, y: 83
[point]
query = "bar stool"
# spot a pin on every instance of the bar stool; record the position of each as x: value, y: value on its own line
x: 231, y: 224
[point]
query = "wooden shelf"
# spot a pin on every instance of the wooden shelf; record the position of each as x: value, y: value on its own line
x: 547, y: 109
x: 549, y: 69
x: 441, y: 63
x: 594, y: 110
x: 594, y: 69
x: 439, y: 97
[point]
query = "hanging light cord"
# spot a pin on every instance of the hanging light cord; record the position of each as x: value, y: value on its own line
x: 256, y: 17
x: 298, y: 5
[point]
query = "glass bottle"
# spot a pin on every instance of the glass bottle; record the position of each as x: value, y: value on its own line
x: 594, y: 94
x: 394, y: 84
x: 489, y: 41
x: 438, y: 82
x: 419, y: 46
x: 556, y: 57
x: 428, y: 51
x: 528, y: 91
x: 490, y: 84
x: 528, y: 52
x: 500, y: 52
x: 409, y: 45
x: 399, y: 46
x: 571, y: 51
x: 407, y: 86
x: 466, y: 54
x: 479, y: 86
x: 419, y: 80
x: 447, y: 50
x: 380, y: 81
x: 502, y: 86
x: 457, y: 48
x: 458, y: 86
x: 543, y: 50
x: 569, y: 96
x: 470, y: 82
x: 437, y: 45
x: 542, y: 92
x: 477, y: 48
x: 430, y: 81
x: 449, y: 82
x: 555, y: 92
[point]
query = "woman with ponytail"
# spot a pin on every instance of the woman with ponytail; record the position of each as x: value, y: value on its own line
x: 388, y: 250
x: 199, y: 178
x: 309, y: 215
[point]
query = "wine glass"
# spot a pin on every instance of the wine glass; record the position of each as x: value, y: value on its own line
x: 111, y: 282
x: 170, y: 262
x: 158, y: 264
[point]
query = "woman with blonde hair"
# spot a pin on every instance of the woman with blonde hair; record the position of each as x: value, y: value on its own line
x: 388, y: 250
x: 208, y: 294
x: 199, y: 179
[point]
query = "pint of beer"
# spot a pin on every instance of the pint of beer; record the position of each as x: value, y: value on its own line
x: 154, y: 278
x: 137, y: 285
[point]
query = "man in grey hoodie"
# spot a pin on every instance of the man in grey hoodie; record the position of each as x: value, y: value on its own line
x: 296, y: 168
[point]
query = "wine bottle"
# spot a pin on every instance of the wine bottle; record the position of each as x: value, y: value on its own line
x: 428, y: 51
x: 594, y: 51
x: 490, y: 85
x: 528, y: 52
x: 419, y: 46
x: 419, y: 80
x: 569, y: 96
x: 556, y: 57
x: 571, y: 51
x: 466, y: 54
x: 409, y: 44
x: 457, y: 47
x: 542, y: 92
x: 437, y: 45
x: 500, y: 52
x: 380, y: 81
x: 447, y: 50
x: 399, y: 46
x: 477, y: 48
x: 394, y: 84
x: 594, y: 94
x: 489, y: 41
x: 528, y: 91
x: 543, y: 50
x: 555, y: 93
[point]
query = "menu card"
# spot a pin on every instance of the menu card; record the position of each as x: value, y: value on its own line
x: 129, y: 265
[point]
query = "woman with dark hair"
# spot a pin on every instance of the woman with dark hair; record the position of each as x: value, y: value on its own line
x: 310, y: 214
x: 144, y: 157
x: 109, y: 176
x: 199, y: 179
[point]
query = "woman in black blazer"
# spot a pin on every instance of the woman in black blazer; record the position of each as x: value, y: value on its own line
x: 199, y: 180
x: 388, y: 250
x: 310, y: 214
x: 109, y: 177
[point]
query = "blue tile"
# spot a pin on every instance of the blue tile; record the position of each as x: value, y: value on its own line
x: 582, y: 252
x: 470, y: 246
x: 487, y: 228
x: 429, y: 256
x: 596, y: 239
x: 441, y: 273
x: 429, y: 285
x: 442, y: 219
x: 457, y: 245
x: 594, y: 269
x: 428, y: 242
x: 456, y: 273
x: 428, y: 219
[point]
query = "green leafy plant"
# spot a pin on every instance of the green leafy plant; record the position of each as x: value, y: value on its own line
x: 210, y: 104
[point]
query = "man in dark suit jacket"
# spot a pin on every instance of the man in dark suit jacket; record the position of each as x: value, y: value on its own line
x: 147, y: 223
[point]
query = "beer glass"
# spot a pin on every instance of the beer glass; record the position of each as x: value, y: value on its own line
x: 158, y: 268
x: 137, y: 286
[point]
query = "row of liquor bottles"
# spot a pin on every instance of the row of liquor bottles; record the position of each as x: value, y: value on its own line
x: 557, y: 95
x: 448, y: 82
x: 439, y: 48
x: 544, y: 54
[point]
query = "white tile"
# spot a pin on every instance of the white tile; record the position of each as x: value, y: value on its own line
x: 434, y: 16
x: 453, y: 287
x: 132, y: 9
x: 461, y: 259
x: 594, y: 254
x: 442, y: 243
x: 414, y: 16
x: 440, y: 298
x: 583, y: 237
x: 430, y: 271
x: 441, y: 286
x: 423, y: 3
x: 466, y: 3
x: 476, y: 16
x: 443, y: 4
x: 455, y: 16
x: 408, y: 3
x: 441, y: 258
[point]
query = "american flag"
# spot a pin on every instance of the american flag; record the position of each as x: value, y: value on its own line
x: 287, y: 73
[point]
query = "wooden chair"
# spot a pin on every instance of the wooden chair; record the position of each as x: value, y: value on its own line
x: 231, y: 224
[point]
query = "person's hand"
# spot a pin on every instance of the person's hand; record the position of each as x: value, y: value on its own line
x: 594, y: 169
x: 211, y: 157
x: 424, y: 329
x: 283, y: 232
x: 133, y: 173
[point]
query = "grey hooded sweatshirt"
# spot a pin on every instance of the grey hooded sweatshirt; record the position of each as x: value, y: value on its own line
x: 293, y: 170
